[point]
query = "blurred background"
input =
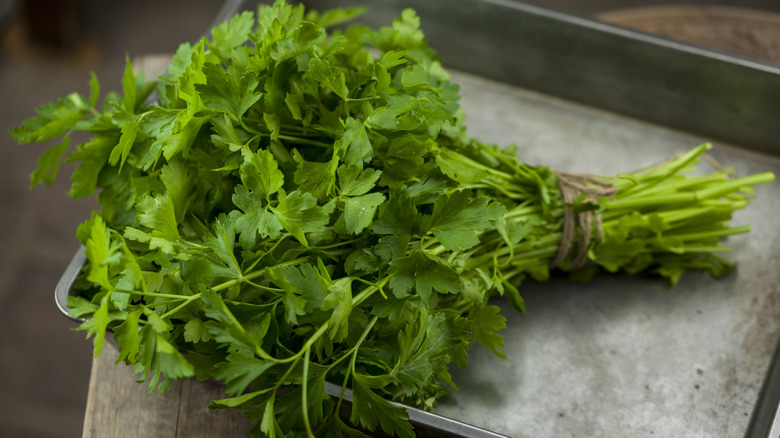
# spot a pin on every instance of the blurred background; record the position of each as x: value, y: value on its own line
x: 48, y: 48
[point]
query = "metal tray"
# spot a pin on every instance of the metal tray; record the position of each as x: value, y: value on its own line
x: 618, y: 356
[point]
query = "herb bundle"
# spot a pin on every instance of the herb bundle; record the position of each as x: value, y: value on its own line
x: 300, y: 206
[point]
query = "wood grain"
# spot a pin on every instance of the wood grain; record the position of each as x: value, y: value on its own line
x: 749, y: 32
x: 118, y: 406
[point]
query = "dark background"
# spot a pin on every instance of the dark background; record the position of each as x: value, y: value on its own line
x: 47, y: 49
x: 44, y: 365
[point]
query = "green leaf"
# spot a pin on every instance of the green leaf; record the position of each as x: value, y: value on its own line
x: 359, y: 211
x: 239, y: 371
x: 339, y: 299
x: 126, y: 140
x: 234, y: 32
x: 159, y: 125
x: 181, y: 60
x: 100, y: 252
x: 182, y: 138
x: 487, y: 321
x: 355, y: 181
x: 227, y: 93
x: 49, y: 163
x: 458, y: 219
x: 178, y: 183
x: 304, y: 281
x: 97, y: 325
x: 128, y: 87
x: 452, y: 165
x: 155, y: 242
x: 426, y: 348
x: 370, y: 410
x: 339, y: 429
x: 335, y: 16
x: 327, y: 75
x: 225, y: 327
x: 354, y: 147
x: 289, y: 407
x: 268, y: 425
x: 157, y: 213
x: 93, y: 156
x: 274, y: 124
x: 80, y: 307
x: 397, y: 216
x: 240, y: 401
x: 423, y: 273
x: 260, y: 172
x: 415, y: 76
x: 171, y: 362
x: 192, y: 75
x: 314, y: 177
x: 222, y: 242
x: 196, y: 331
x: 386, y: 117
x: 53, y: 119
x: 514, y: 231
x: 254, y: 220
x: 127, y: 338
x: 299, y: 214
x: 94, y: 89
x: 158, y: 324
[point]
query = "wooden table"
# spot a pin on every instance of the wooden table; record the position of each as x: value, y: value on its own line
x: 118, y: 406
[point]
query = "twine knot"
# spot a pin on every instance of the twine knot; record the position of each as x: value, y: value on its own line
x: 574, y: 185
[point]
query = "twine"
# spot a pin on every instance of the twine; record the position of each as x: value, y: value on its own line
x: 572, y: 186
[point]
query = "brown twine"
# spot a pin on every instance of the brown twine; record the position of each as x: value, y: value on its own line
x: 572, y: 186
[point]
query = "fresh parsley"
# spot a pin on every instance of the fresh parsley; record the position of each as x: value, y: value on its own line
x: 302, y: 205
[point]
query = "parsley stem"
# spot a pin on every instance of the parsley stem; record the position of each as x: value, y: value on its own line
x: 367, y: 292
x: 337, y: 244
x: 713, y: 234
x: 352, y: 361
x: 302, y: 140
x: 283, y: 379
x: 304, y: 395
x: 187, y: 301
x: 151, y: 294
x: 255, y: 274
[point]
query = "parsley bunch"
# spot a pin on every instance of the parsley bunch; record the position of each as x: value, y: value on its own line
x: 300, y: 206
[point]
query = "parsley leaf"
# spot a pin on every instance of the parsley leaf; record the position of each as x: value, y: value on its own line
x: 457, y: 219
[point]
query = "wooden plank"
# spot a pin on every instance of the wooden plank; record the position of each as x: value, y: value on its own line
x: 118, y: 406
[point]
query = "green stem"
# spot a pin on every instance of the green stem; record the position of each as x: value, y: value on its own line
x: 352, y: 362
x: 713, y: 234
x: 302, y: 140
x: 150, y: 294
x: 252, y: 275
x: 187, y: 301
x: 304, y: 395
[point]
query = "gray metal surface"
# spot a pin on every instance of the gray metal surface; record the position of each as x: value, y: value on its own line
x: 766, y: 415
x: 64, y: 287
